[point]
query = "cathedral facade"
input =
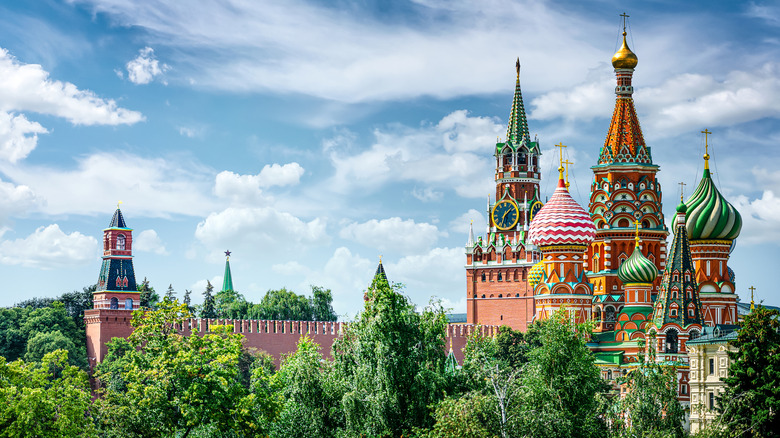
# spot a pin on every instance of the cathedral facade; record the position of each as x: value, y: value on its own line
x: 607, y: 263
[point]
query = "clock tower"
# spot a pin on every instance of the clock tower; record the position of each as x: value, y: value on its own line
x: 497, y: 265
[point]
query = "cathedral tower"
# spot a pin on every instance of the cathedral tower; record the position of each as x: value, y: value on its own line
x: 562, y: 230
x: 497, y: 291
x: 713, y: 225
x: 116, y: 295
x: 624, y: 191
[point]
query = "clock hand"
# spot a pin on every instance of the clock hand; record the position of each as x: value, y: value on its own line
x: 504, y: 216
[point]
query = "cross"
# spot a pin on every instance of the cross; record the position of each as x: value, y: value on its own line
x: 706, y: 137
x: 682, y: 188
x: 561, y: 146
x: 624, y: 20
x: 752, y: 304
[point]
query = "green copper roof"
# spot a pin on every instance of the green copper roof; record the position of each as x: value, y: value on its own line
x: 451, y: 363
x: 710, y: 216
x: 637, y: 269
x: 227, y: 283
x: 517, y: 127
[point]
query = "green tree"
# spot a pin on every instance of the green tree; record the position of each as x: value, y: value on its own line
x: 311, y: 401
x: 49, y: 320
x: 649, y: 407
x: 170, y: 294
x: 168, y: 384
x: 283, y: 304
x: 322, y: 304
x: 470, y: 415
x: 208, y: 310
x: 560, y: 384
x: 391, y: 363
x: 750, y: 404
x: 45, y: 342
x: 188, y: 300
x: 13, y: 342
x: 149, y: 297
x: 45, y: 399
x: 231, y: 304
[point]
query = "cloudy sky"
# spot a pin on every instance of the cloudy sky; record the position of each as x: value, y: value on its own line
x: 310, y: 138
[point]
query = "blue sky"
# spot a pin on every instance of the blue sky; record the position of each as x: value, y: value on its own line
x: 310, y: 138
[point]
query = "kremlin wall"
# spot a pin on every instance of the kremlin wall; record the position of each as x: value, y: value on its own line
x: 607, y: 262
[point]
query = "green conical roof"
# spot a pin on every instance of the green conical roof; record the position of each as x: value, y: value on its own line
x: 451, y: 363
x: 637, y: 269
x: 518, y: 123
x: 710, y: 216
x: 227, y: 282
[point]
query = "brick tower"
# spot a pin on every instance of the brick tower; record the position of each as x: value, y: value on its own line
x: 713, y: 225
x: 497, y: 291
x: 116, y: 295
x: 624, y: 190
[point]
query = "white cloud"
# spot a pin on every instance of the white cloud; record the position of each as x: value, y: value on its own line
x: 427, y: 194
x: 441, y: 156
x: 392, y: 234
x: 191, y: 132
x: 247, y: 189
x: 47, y: 248
x: 149, y: 241
x: 145, y: 67
x: 16, y: 200
x: 27, y: 87
x: 153, y: 187
x: 760, y: 218
x: 439, y: 273
x: 18, y: 136
x: 460, y: 225
x: 259, y: 230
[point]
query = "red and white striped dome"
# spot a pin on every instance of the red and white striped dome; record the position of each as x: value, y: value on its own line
x: 561, y: 221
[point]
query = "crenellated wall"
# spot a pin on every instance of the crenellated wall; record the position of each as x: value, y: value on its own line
x: 277, y: 338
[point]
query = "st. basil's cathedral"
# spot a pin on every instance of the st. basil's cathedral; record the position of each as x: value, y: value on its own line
x: 608, y: 264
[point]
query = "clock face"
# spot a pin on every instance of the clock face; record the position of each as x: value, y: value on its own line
x: 505, y: 215
x: 535, y: 209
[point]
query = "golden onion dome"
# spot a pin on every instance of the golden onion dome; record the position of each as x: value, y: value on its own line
x: 624, y: 58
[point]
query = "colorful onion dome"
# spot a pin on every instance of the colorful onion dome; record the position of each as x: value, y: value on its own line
x: 624, y: 58
x: 562, y: 221
x: 637, y: 269
x: 710, y: 216
x: 536, y: 274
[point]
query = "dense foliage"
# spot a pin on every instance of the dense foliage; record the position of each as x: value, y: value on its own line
x: 280, y: 304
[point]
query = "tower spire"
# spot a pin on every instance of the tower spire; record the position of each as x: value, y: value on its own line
x: 227, y: 281
x: 517, y: 128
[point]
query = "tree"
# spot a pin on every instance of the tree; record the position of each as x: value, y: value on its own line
x: 283, y: 304
x: 208, y: 311
x: 311, y: 402
x: 649, y: 407
x: 44, y: 399
x: 467, y: 416
x: 560, y: 384
x: 750, y: 404
x: 170, y: 294
x: 231, y: 304
x: 168, y: 384
x: 188, y: 300
x: 149, y: 297
x: 321, y: 302
x: 391, y: 363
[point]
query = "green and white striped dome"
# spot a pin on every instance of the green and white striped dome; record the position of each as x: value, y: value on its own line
x: 709, y: 215
x: 637, y: 269
x: 536, y: 274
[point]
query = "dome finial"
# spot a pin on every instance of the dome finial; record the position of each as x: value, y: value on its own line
x: 560, y: 147
x: 706, y: 148
x: 517, y: 67
x: 624, y: 57
x: 636, y: 238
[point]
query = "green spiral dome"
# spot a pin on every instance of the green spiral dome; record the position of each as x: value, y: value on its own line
x: 710, y: 216
x: 536, y: 274
x: 637, y: 269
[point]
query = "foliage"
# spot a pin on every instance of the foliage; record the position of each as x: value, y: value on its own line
x: 391, y: 362
x: 322, y: 304
x: 75, y: 303
x: 168, y: 384
x: 467, y: 416
x: 149, y: 297
x: 649, y: 407
x: 208, y: 310
x: 44, y: 399
x: 750, y: 404
x: 188, y: 300
x: 311, y: 399
x: 170, y: 294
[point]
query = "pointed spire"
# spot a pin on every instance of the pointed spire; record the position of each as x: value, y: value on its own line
x: 517, y: 128
x: 118, y: 221
x: 227, y: 282
x: 380, y: 271
x: 470, y: 242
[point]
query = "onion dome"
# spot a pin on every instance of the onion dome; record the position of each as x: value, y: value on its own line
x: 562, y: 221
x: 710, y: 216
x: 624, y: 57
x: 536, y: 274
x: 637, y: 269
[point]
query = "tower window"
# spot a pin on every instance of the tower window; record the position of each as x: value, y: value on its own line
x: 129, y: 304
x: 712, y: 366
x: 483, y: 279
x: 114, y: 303
x: 120, y: 242
x: 499, y: 276
x: 671, y: 341
x: 712, y: 400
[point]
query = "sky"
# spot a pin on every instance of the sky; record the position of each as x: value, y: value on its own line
x: 311, y: 138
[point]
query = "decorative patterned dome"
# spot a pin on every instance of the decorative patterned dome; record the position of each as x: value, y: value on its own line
x: 710, y: 216
x: 624, y: 57
x: 536, y: 274
x: 562, y: 221
x: 637, y: 269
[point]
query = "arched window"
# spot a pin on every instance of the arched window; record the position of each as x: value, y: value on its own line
x: 129, y: 304
x: 609, y: 374
x: 610, y: 314
x: 114, y: 303
x: 120, y: 242
x: 483, y: 279
x: 597, y: 314
x: 499, y: 276
x: 694, y: 334
x: 671, y: 341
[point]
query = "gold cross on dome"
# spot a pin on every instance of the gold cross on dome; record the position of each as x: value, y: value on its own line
x: 706, y: 138
x: 682, y: 188
x: 752, y: 304
x: 625, y: 16
x: 567, y: 162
